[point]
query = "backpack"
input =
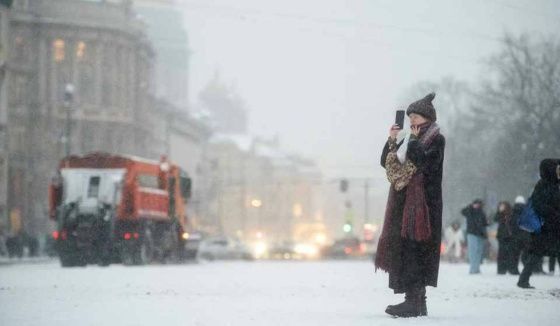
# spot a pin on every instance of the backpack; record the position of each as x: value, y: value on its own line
x: 529, y: 220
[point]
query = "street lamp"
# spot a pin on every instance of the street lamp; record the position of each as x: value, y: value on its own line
x: 68, y: 101
x: 256, y: 203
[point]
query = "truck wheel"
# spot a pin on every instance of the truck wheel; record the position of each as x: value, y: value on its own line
x: 127, y: 257
x: 143, y: 253
x: 104, y: 260
x: 141, y: 256
x: 66, y: 261
x: 104, y: 255
x: 72, y: 260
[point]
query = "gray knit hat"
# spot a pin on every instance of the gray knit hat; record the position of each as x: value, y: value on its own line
x: 424, y: 107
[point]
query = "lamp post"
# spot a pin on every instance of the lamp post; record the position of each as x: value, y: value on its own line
x: 68, y: 101
x: 257, y: 204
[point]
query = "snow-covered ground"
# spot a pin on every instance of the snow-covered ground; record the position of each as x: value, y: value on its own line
x: 261, y: 293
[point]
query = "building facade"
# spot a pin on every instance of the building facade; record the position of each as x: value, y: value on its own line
x: 258, y: 189
x: 100, y: 48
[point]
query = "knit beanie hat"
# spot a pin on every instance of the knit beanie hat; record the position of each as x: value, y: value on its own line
x: 424, y: 107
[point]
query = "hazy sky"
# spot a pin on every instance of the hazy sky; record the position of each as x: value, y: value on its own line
x: 327, y: 75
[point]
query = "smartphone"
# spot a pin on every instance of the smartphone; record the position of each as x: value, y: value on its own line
x: 399, y: 118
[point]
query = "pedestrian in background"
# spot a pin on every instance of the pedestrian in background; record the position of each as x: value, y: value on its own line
x: 476, y: 234
x: 524, y: 237
x: 519, y: 235
x: 454, y: 240
x: 507, y: 242
x: 409, y: 246
x: 546, y: 203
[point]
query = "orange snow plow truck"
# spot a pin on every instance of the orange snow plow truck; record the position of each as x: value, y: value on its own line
x: 113, y: 208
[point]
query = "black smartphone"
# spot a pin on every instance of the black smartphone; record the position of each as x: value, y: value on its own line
x: 399, y: 118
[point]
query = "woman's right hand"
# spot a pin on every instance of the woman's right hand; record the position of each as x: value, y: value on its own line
x: 394, y: 131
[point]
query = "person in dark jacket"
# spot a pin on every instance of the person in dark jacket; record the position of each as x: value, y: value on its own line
x: 476, y: 234
x: 546, y: 203
x: 409, y: 246
x: 507, y: 239
x: 524, y: 237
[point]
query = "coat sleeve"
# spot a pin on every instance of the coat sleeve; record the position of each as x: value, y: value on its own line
x: 384, y: 154
x: 427, y: 159
x: 545, y: 204
x: 389, y: 145
x: 466, y: 211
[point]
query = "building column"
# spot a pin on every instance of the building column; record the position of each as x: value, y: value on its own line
x: 4, y: 35
x: 43, y: 100
x: 98, y: 79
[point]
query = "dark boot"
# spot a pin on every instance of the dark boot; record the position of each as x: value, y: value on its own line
x: 390, y: 308
x: 414, y: 302
x: 523, y: 281
x: 422, y: 298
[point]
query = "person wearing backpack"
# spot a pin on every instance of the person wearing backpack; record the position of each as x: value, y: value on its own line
x: 546, y: 204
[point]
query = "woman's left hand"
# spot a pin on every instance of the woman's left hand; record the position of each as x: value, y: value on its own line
x: 415, y: 130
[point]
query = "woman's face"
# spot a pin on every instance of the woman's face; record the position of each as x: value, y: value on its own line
x: 416, y: 119
x: 502, y: 208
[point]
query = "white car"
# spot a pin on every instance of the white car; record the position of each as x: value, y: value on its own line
x: 223, y: 249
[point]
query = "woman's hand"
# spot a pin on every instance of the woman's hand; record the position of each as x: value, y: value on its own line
x: 415, y: 130
x: 394, y: 131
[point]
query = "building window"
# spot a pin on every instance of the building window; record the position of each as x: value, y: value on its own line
x: 86, y: 72
x: 21, y: 4
x: 17, y: 92
x: 80, y: 51
x: 59, y: 50
x: 148, y: 181
x: 121, y: 78
x: 93, y: 189
x: 17, y: 139
x: 108, y: 77
x: 19, y: 50
x: 86, y: 83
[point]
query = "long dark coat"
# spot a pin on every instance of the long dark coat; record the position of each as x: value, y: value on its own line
x: 546, y: 202
x: 414, y: 263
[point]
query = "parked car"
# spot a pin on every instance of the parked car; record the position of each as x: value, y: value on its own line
x: 345, y: 248
x: 223, y: 249
x: 192, y: 245
x: 283, y: 250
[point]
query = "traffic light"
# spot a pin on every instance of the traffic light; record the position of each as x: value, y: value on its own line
x: 343, y: 185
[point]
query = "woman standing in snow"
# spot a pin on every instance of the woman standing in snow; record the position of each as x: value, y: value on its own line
x: 508, y: 259
x: 546, y: 203
x: 409, y: 246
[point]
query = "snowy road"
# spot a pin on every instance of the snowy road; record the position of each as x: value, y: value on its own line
x: 261, y: 293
